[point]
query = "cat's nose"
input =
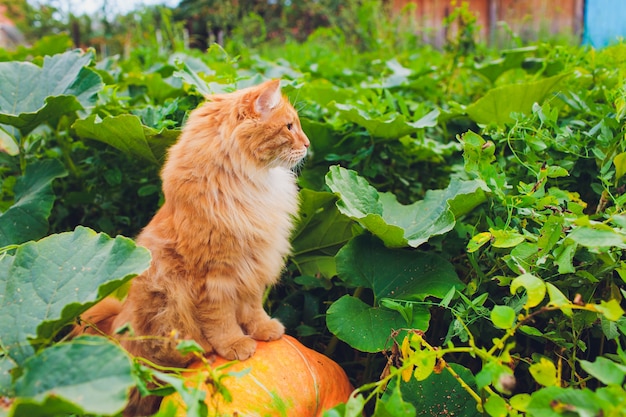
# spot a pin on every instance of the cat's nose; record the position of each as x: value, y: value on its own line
x: 307, y: 143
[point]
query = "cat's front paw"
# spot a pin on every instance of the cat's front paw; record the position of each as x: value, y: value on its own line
x: 268, y: 330
x: 241, y: 349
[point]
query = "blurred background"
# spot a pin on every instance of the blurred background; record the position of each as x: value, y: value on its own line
x: 116, y: 26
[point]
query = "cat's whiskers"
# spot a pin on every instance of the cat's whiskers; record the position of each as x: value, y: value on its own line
x: 297, y: 105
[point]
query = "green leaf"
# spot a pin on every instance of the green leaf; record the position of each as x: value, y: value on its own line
x: 424, y: 364
x: 534, y: 286
x: 529, y: 330
x: 520, y: 402
x: 27, y: 218
x: 610, y: 309
x: 8, y: 144
x: 399, y: 76
x: 194, y: 398
x: 391, y: 126
x: 353, y: 408
x: 358, y: 197
x: 478, y: 154
x: 367, y: 328
x: 564, y: 256
x: 67, y: 379
x: 189, y: 346
x: 523, y: 256
x: 325, y: 140
x: 505, y: 238
x: 462, y: 196
x: 323, y: 92
x: 48, y: 283
x: 320, y: 232
x: 496, y: 406
x: 558, y: 299
x: 6, y: 380
x: 597, y: 236
x: 503, y: 317
x: 127, y: 134
x: 605, y: 370
x: 511, y: 59
x: 30, y: 95
x: 405, y: 309
x: 478, y: 241
x: 556, y: 402
x: 620, y: 165
x: 550, y: 233
x: 395, y: 273
x: 497, y: 105
x: 192, y: 78
x: 398, y: 225
x: 544, y: 372
x: 441, y: 394
x: 393, y: 405
x: 611, y: 329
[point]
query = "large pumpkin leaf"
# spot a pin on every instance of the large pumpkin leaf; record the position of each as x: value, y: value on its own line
x: 441, y: 394
x: 367, y: 328
x: 395, y: 276
x: 32, y: 95
x: 27, y: 218
x: 395, y: 273
x: 511, y: 59
x: 6, y: 380
x: 497, y: 105
x: 398, y: 225
x: 48, y: 283
x: 88, y: 375
x: 393, y: 405
x: 322, y: 230
x: 392, y: 126
x: 127, y: 134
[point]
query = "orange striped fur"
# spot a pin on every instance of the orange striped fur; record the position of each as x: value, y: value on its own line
x: 222, y: 235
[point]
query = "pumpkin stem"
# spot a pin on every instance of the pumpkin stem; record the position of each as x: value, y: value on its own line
x: 332, y: 345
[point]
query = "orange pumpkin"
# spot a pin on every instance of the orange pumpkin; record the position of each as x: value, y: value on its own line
x: 283, y: 378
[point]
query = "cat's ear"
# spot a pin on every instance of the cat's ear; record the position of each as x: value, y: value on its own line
x: 270, y: 97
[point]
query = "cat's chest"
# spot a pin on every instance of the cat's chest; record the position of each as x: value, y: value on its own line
x: 276, y: 194
x: 268, y: 199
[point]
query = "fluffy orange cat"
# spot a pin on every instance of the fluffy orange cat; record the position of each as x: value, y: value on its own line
x: 221, y: 237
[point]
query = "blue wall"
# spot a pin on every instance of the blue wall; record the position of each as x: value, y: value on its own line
x: 605, y: 22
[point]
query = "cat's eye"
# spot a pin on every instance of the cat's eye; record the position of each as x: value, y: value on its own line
x: 289, y: 126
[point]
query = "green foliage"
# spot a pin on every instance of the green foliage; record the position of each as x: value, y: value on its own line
x: 397, y: 225
x: 127, y: 134
x: 396, y: 279
x: 27, y: 218
x: 65, y: 379
x: 439, y: 394
x: 35, y: 95
x: 36, y: 305
x: 462, y: 224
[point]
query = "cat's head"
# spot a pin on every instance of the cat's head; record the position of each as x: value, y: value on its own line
x: 270, y: 132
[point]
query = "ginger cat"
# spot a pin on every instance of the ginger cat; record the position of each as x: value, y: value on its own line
x: 222, y: 235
